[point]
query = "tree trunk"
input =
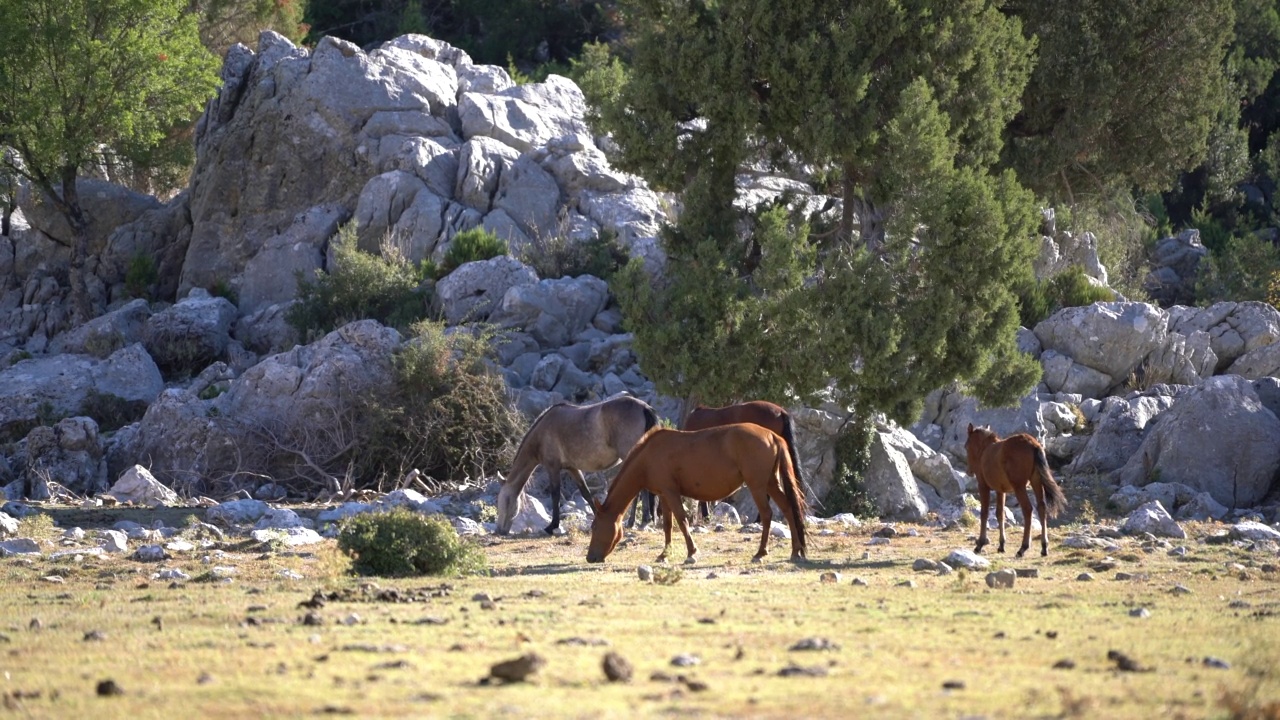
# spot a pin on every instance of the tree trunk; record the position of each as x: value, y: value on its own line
x: 81, y: 306
x: 870, y: 219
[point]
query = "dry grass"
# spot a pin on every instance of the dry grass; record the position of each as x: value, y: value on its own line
x: 240, y: 649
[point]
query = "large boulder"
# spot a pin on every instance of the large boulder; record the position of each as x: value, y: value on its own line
x: 553, y: 312
x: 107, y: 333
x: 68, y: 453
x: 891, y: 486
x: 138, y: 486
x: 1175, y: 267
x: 55, y: 386
x: 1219, y: 437
x: 1111, y: 338
x: 472, y: 291
x: 186, y: 337
x: 106, y: 206
x: 1119, y: 428
x: 270, y: 277
x: 1235, y: 329
x: 298, y: 403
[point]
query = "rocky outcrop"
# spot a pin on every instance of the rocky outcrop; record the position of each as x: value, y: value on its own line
x: 69, y: 453
x: 1219, y: 438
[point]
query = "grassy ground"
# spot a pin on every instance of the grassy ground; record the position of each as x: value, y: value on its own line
x: 943, y: 646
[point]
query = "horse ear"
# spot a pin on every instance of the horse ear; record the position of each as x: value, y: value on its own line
x: 970, y: 427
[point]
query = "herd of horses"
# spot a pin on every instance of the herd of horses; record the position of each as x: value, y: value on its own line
x: 720, y: 450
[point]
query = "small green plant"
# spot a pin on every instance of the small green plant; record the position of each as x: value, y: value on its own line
x: 212, y: 391
x: 360, y: 285
x: 102, y: 344
x: 111, y: 412
x: 556, y: 256
x: 668, y: 574
x: 401, y: 543
x: 467, y: 246
x: 39, y: 526
x: 140, y: 276
x: 853, y: 456
x: 1069, y: 288
x: 448, y: 415
x: 223, y: 289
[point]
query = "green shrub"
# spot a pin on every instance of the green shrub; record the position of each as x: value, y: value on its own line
x: 140, y: 276
x: 448, y: 415
x: 1245, y: 268
x: 111, y: 412
x: 223, y: 289
x: 1069, y: 288
x: 467, y: 246
x: 557, y: 257
x: 853, y: 457
x: 360, y: 286
x: 402, y: 542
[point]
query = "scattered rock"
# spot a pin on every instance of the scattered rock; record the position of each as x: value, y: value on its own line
x: 906, y: 584
x: 19, y: 546
x: 645, y: 573
x: 1028, y: 572
x: 1180, y: 590
x: 961, y: 558
x: 109, y: 688
x: 829, y: 577
x: 1065, y: 664
x: 1153, y: 518
x: 924, y: 565
x: 95, y: 636
x: 1254, y: 531
x: 1140, y: 613
x: 1125, y: 663
x: 859, y: 582
x: 518, y: 669
x: 617, y: 668
x: 1218, y: 663
x: 799, y: 671
x: 1001, y: 578
x: 953, y: 685
x: 150, y: 553
x: 1085, y: 577
x: 685, y: 660
x: 815, y: 643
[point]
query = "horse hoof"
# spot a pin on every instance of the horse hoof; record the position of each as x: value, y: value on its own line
x: 757, y: 559
x: 1022, y: 552
x: 690, y: 560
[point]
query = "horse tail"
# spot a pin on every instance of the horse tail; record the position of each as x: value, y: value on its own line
x: 650, y: 417
x: 788, y: 434
x: 795, y: 495
x: 1055, y: 502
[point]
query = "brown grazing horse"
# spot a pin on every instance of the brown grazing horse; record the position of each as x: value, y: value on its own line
x: 756, y: 412
x: 1006, y: 466
x: 574, y: 438
x: 704, y: 465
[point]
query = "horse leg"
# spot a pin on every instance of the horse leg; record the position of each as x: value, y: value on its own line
x: 666, y: 532
x: 761, y: 496
x: 984, y: 494
x: 779, y: 496
x: 586, y: 491
x: 1025, y: 505
x: 1044, y: 522
x: 1000, y: 518
x: 673, y: 499
x: 553, y: 472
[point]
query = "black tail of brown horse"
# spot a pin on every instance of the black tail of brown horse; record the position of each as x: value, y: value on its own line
x: 1055, y: 502
x: 789, y: 435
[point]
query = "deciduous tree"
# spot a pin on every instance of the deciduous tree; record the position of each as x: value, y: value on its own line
x: 76, y: 75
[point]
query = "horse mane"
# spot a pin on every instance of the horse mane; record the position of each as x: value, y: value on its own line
x: 534, y: 424
x: 626, y: 462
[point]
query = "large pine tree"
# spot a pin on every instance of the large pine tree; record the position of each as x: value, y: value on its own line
x: 901, y: 104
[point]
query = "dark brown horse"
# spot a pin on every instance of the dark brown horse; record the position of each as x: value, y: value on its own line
x: 574, y: 438
x: 1007, y: 466
x: 704, y: 465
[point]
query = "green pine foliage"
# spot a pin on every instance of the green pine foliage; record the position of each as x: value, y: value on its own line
x: 467, y: 246
x: 403, y: 543
x: 907, y: 103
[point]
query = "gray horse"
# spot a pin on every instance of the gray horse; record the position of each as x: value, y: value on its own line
x: 574, y: 438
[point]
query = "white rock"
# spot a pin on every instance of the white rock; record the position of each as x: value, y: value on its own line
x: 139, y: 486
x: 966, y: 559
x: 1152, y: 518
x: 114, y: 541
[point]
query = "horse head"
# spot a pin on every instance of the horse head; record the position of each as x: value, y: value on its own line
x: 979, y: 439
x: 605, y: 534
